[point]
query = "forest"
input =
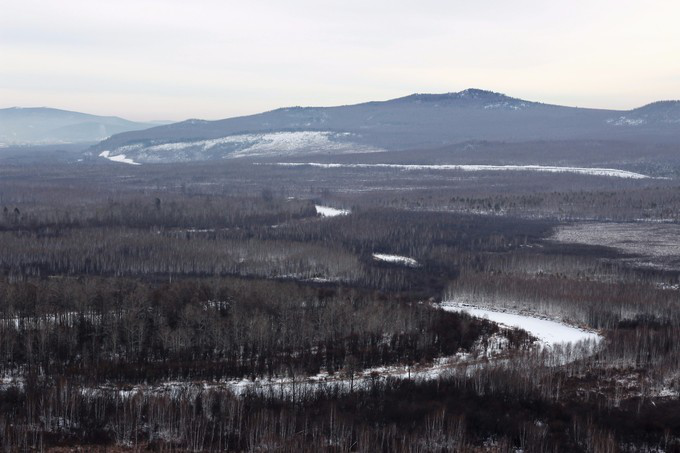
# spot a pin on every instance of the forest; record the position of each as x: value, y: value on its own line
x: 227, y: 307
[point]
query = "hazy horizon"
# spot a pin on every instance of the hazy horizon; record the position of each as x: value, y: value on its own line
x: 171, y: 60
x: 166, y: 120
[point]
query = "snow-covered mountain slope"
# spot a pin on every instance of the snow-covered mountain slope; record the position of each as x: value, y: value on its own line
x: 240, y: 145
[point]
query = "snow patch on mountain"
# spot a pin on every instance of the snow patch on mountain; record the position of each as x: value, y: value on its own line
x: 506, y: 105
x: 291, y: 142
x: 121, y: 158
x: 625, y: 121
x: 247, y: 145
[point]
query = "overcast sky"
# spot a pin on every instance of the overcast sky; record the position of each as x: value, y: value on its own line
x: 177, y: 59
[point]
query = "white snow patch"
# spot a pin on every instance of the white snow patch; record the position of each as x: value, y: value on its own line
x: 613, y: 172
x: 506, y: 105
x: 624, y: 121
x: 118, y: 158
x: 9, y: 381
x: 550, y: 333
x: 262, y: 144
x: 327, y: 211
x: 300, y: 387
x: 397, y: 259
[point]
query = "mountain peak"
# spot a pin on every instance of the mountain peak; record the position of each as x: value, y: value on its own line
x: 468, y: 96
x: 476, y: 93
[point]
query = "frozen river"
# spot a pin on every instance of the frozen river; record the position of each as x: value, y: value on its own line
x: 547, y: 331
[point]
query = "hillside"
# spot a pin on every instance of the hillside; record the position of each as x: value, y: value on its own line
x: 418, y: 121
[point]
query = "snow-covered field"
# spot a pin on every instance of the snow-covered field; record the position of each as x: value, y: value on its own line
x: 655, y: 245
x: 397, y: 259
x: 612, y: 172
x: 549, y: 332
x: 327, y: 211
x: 646, y: 239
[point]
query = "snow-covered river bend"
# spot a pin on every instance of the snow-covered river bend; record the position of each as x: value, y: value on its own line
x: 562, y: 342
x: 548, y: 332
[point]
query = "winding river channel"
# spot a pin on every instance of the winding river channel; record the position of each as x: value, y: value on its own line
x: 566, y: 341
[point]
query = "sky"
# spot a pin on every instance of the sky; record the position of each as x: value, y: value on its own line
x: 176, y: 59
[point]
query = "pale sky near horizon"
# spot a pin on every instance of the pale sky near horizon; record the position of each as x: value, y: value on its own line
x: 174, y: 59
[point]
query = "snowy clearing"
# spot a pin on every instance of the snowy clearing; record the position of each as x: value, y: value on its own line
x: 651, y: 245
x: 327, y: 211
x: 612, y: 172
x: 645, y: 239
x: 397, y: 259
x: 550, y: 333
x: 118, y: 158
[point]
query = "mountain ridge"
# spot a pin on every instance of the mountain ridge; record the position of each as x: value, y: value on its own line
x: 415, y: 121
x: 48, y: 125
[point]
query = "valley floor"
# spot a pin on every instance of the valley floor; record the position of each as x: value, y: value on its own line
x: 242, y: 307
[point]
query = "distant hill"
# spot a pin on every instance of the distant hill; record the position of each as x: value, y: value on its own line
x: 661, y: 113
x: 37, y: 126
x: 418, y: 121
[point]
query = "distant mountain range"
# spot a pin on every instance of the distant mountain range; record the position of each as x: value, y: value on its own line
x: 41, y: 125
x: 414, y: 122
x: 418, y: 121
